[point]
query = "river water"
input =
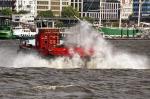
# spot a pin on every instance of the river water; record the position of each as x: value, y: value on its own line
x: 47, y: 83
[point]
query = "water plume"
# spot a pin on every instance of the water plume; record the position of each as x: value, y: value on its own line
x: 104, y: 56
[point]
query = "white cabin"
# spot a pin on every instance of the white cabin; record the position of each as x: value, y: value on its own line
x: 20, y: 31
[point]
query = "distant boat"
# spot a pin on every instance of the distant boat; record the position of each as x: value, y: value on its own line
x: 5, y: 32
x: 23, y: 32
x: 119, y: 32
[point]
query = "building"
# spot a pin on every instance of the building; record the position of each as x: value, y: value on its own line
x: 110, y: 10
x: 7, y: 4
x: 126, y: 8
x: 55, y: 6
x: 91, y: 8
x: 58, y: 5
x: 26, y: 5
x: 78, y: 5
x: 90, y: 5
x: 107, y: 10
x: 43, y: 5
x: 145, y: 8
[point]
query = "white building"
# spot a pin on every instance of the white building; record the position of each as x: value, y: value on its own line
x: 43, y: 5
x: 56, y: 6
x: 27, y: 5
x: 78, y: 5
x: 126, y: 8
x: 108, y: 10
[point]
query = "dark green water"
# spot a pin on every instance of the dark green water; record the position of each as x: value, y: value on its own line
x: 46, y: 83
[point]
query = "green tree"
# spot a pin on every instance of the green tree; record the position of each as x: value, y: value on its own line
x: 59, y: 24
x: 6, y: 12
x: 89, y: 19
x: 22, y: 12
x: 69, y: 12
x: 45, y: 14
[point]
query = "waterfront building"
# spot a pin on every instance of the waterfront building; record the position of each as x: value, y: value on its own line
x: 7, y: 4
x: 58, y: 5
x: 145, y: 8
x: 26, y: 5
x: 55, y: 6
x: 78, y: 5
x: 108, y: 10
x: 91, y: 8
x: 43, y: 5
x: 126, y: 8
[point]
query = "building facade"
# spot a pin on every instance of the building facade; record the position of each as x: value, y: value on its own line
x: 55, y: 6
x: 110, y: 10
x: 126, y: 9
x: 90, y: 5
x: 145, y: 8
x: 7, y: 4
x: 91, y: 8
x: 43, y: 5
x: 107, y: 10
x: 26, y: 5
x: 78, y: 5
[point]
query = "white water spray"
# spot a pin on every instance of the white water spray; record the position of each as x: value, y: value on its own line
x: 104, y: 55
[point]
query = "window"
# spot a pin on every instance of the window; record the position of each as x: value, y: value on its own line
x: 42, y: 2
x: 64, y: 3
x: 55, y: 3
x: 30, y: 2
x: 42, y: 7
x: 28, y: 6
x: 55, y: 7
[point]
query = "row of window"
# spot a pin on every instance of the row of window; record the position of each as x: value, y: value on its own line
x: 55, y: 7
x: 46, y: 7
x: 103, y: 16
x: 55, y: 3
x: 42, y: 7
x: 76, y: 0
x: 65, y: 3
x: 42, y: 2
x: 6, y: 3
x: 52, y: 3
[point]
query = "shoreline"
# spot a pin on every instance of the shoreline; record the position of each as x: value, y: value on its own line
x: 126, y: 39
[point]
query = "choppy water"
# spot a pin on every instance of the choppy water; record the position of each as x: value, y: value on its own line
x: 47, y: 83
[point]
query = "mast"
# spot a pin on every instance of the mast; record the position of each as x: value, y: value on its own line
x: 139, y: 14
x: 120, y: 14
x: 100, y: 19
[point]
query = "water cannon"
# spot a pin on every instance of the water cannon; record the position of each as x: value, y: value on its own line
x: 77, y: 18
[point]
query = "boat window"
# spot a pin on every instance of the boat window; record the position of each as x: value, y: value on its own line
x: 4, y: 28
x: 1, y: 28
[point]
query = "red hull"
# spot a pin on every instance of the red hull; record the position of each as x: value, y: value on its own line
x: 48, y: 43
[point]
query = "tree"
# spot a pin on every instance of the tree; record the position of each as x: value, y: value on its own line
x: 69, y: 12
x: 22, y: 12
x: 89, y: 19
x: 59, y: 24
x: 46, y: 14
x: 6, y: 12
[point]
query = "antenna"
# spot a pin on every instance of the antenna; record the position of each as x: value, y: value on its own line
x: 139, y: 14
x: 77, y: 18
x: 100, y: 19
x: 120, y: 14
